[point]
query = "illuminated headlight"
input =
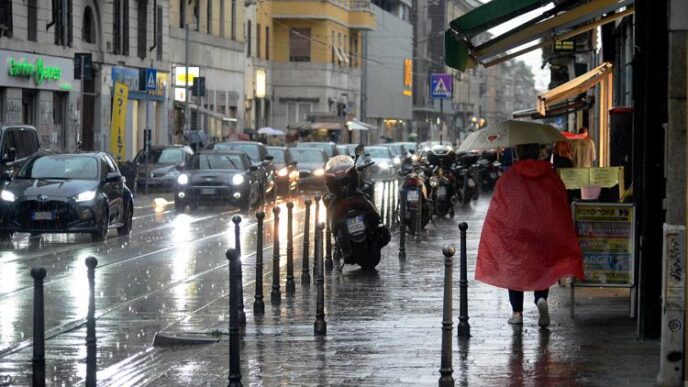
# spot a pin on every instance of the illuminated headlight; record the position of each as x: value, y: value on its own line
x: 238, y: 179
x: 86, y: 196
x: 384, y: 166
x: 7, y: 196
x: 183, y: 179
x: 396, y: 160
x: 283, y: 172
x: 294, y: 174
x: 319, y: 172
x: 415, y: 157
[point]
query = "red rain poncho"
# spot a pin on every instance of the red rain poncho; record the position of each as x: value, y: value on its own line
x: 528, y: 241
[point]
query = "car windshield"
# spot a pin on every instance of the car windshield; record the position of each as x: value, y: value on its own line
x: 396, y: 149
x: 278, y: 155
x: 217, y: 161
x: 322, y: 146
x: 250, y: 149
x: 61, y: 167
x: 162, y: 156
x: 305, y: 155
x: 378, y: 153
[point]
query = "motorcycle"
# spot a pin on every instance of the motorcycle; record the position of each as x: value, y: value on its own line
x: 415, y: 190
x: 442, y: 183
x: 489, y: 170
x: 354, y: 220
x: 465, y: 172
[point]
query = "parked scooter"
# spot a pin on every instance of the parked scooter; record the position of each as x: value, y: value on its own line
x: 354, y: 220
x: 465, y: 172
x: 415, y: 190
x: 489, y: 170
x: 442, y: 184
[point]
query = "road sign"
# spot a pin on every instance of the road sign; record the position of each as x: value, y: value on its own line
x: 151, y: 79
x: 87, y: 60
x: 198, y: 88
x: 441, y: 86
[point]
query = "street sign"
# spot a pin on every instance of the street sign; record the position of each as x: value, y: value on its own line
x: 87, y: 60
x: 151, y: 79
x: 441, y: 85
x: 198, y: 88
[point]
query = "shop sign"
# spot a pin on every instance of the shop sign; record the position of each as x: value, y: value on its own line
x: 118, y: 131
x: 132, y: 78
x: 38, y: 70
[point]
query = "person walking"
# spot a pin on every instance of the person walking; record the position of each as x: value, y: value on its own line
x: 528, y: 241
x: 584, y: 154
x: 561, y: 155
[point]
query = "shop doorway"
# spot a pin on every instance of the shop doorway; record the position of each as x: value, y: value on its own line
x: 29, y: 98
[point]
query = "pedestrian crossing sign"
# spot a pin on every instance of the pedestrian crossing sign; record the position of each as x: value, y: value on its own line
x: 151, y: 79
x: 441, y: 86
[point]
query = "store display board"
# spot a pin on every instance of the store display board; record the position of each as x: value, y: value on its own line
x: 606, y: 234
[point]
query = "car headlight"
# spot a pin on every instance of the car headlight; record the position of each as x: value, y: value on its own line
x: 86, y: 196
x: 319, y: 172
x: 384, y: 166
x: 238, y: 179
x: 7, y: 196
x: 283, y: 172
x: 294, y: 175
x: 183, y: 179
x: 396, y: 160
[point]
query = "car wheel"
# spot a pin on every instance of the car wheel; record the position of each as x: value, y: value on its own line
x: 126, y: 228
x: 101, y: 233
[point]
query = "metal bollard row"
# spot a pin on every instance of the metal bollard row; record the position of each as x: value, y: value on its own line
x: 446, y: 379
x: 305, y: 273
x: 464, y: 329
x: 402, y: 227
x: 275, y: 294
x: 234, y: 324
x: 291, y: 285
x: 91, y: 366
x: 38, y: 359
x: 320, y: 325
x: 237, y: 246
x: 259, y: 304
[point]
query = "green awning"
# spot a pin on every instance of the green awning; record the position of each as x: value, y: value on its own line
x: 492, y: 14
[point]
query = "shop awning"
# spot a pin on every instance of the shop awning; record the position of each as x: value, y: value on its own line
x: 492, y: 14
x: 555, y: 110
x: 327, y: 125
x: 460, y: 53
x: 574, y: 87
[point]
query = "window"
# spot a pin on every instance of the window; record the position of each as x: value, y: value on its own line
x: 333, y: 55
x: 258, y: 40
x: 182, y: 13
x: 121, y: 27
x: 62, y: 20
x: 267, y: 43
x: 339, y: 45
x: 32, y: 24
x: 209, y: 15
x: 233, y: 23
x: 158, y: 33
x: 88, y: 33
x: 222, y: 18
x: 351, y: 51
x: 297, y: 112
x: 197, y: 16
x: 300, y: 45
x: 142, y: 28
x: 248, y: 38
x: 6, y: 18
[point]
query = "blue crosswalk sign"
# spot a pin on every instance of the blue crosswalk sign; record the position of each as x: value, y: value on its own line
x: 151, y: 79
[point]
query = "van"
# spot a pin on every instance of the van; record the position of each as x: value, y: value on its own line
x: 17, y: 143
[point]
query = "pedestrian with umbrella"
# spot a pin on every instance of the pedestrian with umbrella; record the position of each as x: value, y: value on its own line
x: 528, y: 241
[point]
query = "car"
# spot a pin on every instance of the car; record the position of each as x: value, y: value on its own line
x: 67, y: 193
x: 311, y: 163
x: 218, y: 177
x: 398, y: 150
x: 260, y: 157
x: 384, y: 161
x: 287, y: 170
x: 17, y: 144
x: 329, y: 148
x: 161, y: 171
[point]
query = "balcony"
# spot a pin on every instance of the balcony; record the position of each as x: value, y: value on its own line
x: 355, y: 14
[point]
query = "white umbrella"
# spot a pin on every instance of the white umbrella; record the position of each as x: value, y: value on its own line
x: 358, y: 125
x: 270, y: 131
x: 511, y: 133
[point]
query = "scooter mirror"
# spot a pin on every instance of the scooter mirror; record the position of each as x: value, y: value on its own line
x: 359, y: 149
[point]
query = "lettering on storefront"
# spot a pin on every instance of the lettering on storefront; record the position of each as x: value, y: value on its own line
x: 38, y: 71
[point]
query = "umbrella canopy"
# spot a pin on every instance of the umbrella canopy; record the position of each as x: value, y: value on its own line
x: 358, y: 125
x: 303, y: 125
x: 270, y: 131
x: 510, y: 133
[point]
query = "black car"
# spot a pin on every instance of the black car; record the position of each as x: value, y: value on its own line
x: 329, y: 148
x: 67, y: 193
x: 287, y: 170
x: 160, y: 169
x: 217, y: 177
x: 311, y: 163
x: 260, y: 157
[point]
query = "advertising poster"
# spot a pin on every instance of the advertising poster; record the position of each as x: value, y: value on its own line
x: 606, y: 236
x: 118, y: 146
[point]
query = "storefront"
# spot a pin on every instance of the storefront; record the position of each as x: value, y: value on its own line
x: 136, y: 109
x: 38, y: 90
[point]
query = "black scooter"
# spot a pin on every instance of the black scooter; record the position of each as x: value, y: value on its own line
x: 354, y: 220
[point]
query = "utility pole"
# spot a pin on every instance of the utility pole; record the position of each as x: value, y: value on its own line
x: 187, y: 116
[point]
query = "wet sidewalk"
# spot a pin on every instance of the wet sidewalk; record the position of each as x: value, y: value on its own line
x: 384, y: 329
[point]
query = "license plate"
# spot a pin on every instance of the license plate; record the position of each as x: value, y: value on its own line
x: 412, y: 196
x: 208, y: 191
x: 442, y: 191
x: 355, y: 225
x: 471, y: 183
x: 43, y: 215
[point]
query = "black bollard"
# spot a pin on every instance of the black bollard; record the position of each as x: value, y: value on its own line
x: 258, y: 303
x: 38, y: 361
x: 389, y: 203
x: 275, y: 294
x: 305, y: 273
x: 234, y: 258
x: 402, y: 226
x: 91, y: 366
x: 419, y: 214
x: 395, y: 203
x: 291, y: 285
x: 317, y: 222
x: 236, y: 219
x: 382, y: 201
x: 320, y: 326
x: 329, y: 265
x: 464, y: 329
x: 446, y: 380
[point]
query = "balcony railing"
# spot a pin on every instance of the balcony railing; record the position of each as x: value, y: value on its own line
x: 349, y: 4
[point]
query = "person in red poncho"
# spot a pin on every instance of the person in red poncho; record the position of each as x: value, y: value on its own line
x: 528, y: 241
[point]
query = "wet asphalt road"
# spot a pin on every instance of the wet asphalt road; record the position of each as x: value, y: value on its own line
x: 170, y: 275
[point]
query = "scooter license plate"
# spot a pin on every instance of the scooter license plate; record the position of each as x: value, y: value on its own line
x: 208, y: 191
x: 471, y: 183
x: 355, y: 225
x: 43, y: 215
x: 412, y: 196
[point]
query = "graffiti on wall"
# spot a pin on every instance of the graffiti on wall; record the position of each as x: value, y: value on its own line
x: 13, y: 111
x: 46, y: 123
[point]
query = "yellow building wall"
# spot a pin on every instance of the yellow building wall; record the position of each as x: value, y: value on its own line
x: 264, y: 19
x: 321, y: 39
